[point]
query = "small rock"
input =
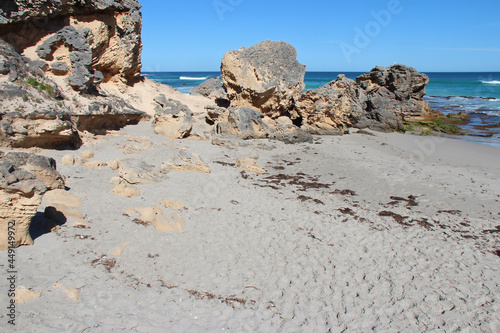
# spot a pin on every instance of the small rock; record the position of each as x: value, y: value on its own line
x: 185, y: 161
x: 86, y: 154
x: 113, y: 164
x: 118, y: 251
x: 94, y: 164
x: 68, y: 159
x: 23, y: 294
x: 250, y: 165
x: 172, y: 204
x: 126, y: 190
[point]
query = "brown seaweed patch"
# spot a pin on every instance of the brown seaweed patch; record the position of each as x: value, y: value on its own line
x: 452, y: 212
x: 228, y: 300
x: 411, y: 201
x: 344, y: 192
x: 347, y: 211
x: 398, y: 218
x: 108, y: 263
x: 492, y: 231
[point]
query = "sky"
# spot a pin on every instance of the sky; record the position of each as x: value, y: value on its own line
x: 329, y: 35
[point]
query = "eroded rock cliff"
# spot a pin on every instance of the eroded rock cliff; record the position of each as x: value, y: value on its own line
x: 88, y: 36
x: 60, y: 65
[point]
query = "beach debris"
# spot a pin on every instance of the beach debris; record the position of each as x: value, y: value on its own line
x: 105, y: 261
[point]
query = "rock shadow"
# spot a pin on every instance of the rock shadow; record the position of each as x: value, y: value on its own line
x: 44, y: 223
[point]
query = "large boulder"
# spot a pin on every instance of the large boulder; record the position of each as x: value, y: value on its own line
x: 24, y: 178
x: 245, y: 123
x: 266, y: 77
x: 397, y: 90
x: 211, y: 88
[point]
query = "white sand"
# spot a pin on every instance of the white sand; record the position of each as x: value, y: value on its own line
x: 286, y: 251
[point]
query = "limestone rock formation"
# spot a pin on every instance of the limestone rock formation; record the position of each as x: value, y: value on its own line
x: 243, y: 122
x: 266, y: 77
x: 379, y: 100
x: 24, y: 178
x: 173, y: 119
x: 332, y: 108
x: 89, y: 36
x: 397, y: 89
x: 51, y: 91
x: 246, y: 123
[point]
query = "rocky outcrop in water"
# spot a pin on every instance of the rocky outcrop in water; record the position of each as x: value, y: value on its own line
x: 396, y: 89
x: 379, y: 100
x: 266, y: 77
x: 211, y: 88
x: 24, y: 178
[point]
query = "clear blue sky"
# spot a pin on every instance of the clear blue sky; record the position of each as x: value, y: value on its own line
x: 329, y: 35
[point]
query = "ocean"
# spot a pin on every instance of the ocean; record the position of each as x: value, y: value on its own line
x: 476, y: 93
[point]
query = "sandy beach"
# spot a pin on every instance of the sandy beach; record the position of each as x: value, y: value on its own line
x: 367, y: 231
x: 255, y: 199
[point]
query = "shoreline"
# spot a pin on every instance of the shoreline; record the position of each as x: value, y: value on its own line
x: 474, y: 134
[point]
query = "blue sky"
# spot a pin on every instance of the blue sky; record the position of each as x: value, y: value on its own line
x: 329, y: 35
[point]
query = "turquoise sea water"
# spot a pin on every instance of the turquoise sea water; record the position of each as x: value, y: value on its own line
x: 476, y: 93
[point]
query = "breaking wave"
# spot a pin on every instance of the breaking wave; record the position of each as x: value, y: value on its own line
x: 491, y: 82
x: 193, y: 78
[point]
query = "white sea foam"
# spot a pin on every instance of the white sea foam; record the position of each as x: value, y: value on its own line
x: 193, y: 78
x: 491, y: 82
